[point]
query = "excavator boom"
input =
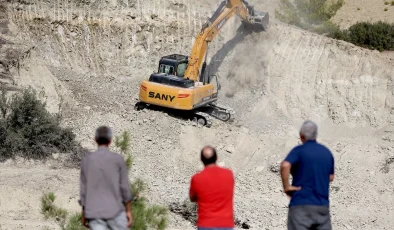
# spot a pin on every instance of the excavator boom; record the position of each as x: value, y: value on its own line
x: 210, y: 30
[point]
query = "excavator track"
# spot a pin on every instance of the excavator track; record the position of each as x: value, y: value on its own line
x: 220, y: 112
x: 200, y: 117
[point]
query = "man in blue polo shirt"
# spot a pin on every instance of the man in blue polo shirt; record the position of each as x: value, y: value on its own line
x: 312, y: 168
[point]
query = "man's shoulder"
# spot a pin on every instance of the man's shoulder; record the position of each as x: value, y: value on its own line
x: 115, y: 155
x: 87, y: 155
x: 323, y: 147
x: 296, y: 149
x: 226, y: 170
x: 221, y: 170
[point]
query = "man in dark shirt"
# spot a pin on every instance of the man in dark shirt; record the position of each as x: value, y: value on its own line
x: 213, y: 190
x: 105, y: 194
x: 312, y: 168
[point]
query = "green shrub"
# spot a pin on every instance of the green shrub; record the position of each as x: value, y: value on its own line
x: 50, y: 211
x: 29, y: 130
x: 61, y: 216
x: 379, y: 36
x: 145, y: 216
x: 74, y: 222
x: 308, y: 14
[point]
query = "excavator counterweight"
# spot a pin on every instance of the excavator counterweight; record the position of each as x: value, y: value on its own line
x: 181, y: 82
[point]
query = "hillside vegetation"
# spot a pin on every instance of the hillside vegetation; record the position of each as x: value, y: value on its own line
x: 316, y: 15
x: 28, y: 130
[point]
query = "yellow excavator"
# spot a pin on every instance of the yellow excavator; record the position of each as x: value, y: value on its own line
x: 181, y: 83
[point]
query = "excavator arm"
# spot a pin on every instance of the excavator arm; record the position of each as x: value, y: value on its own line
x: 210, y: 30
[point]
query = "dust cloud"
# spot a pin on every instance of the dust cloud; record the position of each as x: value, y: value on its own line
x: 242, y: 61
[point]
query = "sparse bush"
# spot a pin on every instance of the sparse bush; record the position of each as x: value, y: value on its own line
x: 50, y: 211
x: 386, y: 3
x: 61, y: 216
x: 74, y: 222
x: 29, y: 130
x: 386, y: 9
x: 392, y: 3
x: 308, y: 14
x: 378, y: 35
x: 4, y: 103
x: 145, y: 216
x: 123, y: 143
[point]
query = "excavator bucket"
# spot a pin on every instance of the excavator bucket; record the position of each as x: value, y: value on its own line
x: 256, y: 20
x: 260, y: 20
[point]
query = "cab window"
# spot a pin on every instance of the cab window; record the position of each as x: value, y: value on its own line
x: 181, y: 69
x: 166, y: 69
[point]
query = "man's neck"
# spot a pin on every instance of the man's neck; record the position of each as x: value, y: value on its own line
x: 309, y: 141
x: 102, y: 147
x: 210, y: 165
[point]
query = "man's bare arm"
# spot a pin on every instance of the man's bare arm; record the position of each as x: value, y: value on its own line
x: 285, y: 173
x: 128, y: 213
x: 128, y: 206
x: 332, y: 177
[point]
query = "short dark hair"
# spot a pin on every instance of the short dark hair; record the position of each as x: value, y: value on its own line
x: 210, y: 160
x: 103, y: 135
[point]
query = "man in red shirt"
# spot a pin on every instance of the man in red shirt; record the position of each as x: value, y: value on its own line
x: 213, y: 190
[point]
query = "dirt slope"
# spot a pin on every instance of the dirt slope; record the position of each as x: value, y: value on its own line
x: 93, y: 58
x: 364, y: 11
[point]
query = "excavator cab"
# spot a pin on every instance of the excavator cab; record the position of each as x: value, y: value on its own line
x: 174, y: 64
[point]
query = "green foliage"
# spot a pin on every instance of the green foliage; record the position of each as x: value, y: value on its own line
x: 379, y: 36
x: 308, y: 14
x: 137, y: 187
x: 123, y: 143
x: 50, y: 211
x: 29, y: 130
x: 153, y: 217
x: 61, y: 216
x: 74, y: 222
x: 145, y: 216
x: 315, y: 15
x: 4, y: 103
